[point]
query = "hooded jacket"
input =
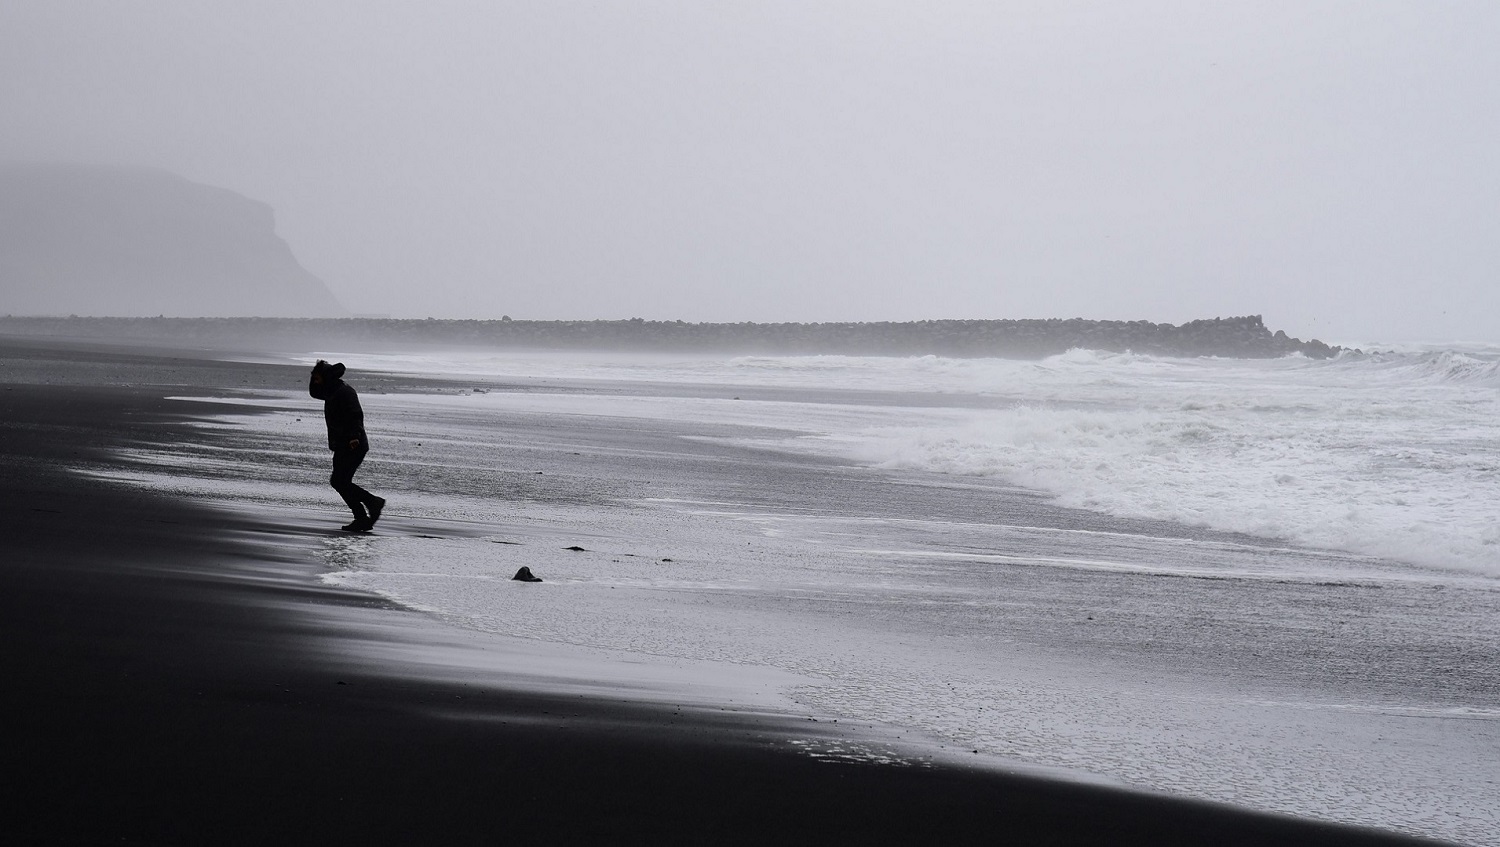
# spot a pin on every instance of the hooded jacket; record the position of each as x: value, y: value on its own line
x: 341, y: 409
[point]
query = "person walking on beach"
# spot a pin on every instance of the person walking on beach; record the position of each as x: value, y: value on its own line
x: 346, y: 438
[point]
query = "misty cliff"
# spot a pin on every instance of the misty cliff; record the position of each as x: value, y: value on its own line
x: 95, y: 240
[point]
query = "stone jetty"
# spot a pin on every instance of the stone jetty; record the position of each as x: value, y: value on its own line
x: 1238, y: 337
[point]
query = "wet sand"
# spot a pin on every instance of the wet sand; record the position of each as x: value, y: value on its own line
x: 171, y: 682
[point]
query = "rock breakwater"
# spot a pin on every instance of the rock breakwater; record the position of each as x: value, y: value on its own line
x: 1239, y: 337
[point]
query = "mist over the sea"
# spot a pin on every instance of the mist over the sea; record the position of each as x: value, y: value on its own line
x: 1326, y: 165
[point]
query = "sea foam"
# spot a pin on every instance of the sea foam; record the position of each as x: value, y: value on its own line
x: 1395, y: 455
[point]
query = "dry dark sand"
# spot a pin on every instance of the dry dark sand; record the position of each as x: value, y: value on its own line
x: 160, y: 690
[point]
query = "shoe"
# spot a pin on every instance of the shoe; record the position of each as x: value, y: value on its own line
x: 375, y: 509
x: 359, y: 525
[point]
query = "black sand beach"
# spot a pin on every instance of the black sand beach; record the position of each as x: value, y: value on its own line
x: 163, y: 690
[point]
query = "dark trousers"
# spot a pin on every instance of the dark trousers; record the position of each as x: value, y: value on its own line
x: 345, y: 463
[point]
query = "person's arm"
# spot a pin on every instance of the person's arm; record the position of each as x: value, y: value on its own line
x: 350, y: 417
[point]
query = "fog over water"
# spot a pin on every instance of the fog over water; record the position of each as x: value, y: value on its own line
x: 1330, y: 165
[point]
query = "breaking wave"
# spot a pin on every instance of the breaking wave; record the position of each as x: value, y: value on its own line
x: 1395, y: 454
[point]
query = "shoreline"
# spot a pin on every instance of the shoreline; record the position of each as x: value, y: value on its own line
x: 169, y: 691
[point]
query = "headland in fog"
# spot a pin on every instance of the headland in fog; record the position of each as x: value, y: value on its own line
x: 97, y: 239
x: 1239, y: 337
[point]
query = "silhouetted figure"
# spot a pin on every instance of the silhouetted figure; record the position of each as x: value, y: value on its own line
x: 346, y: 438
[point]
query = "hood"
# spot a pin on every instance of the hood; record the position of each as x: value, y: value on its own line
x: 324, y: 379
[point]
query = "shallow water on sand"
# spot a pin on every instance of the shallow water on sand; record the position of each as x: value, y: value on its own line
x: 1391, y: 454
x: 983, y: 616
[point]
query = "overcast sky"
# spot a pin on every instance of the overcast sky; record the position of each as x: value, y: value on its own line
x: 1335, y: 166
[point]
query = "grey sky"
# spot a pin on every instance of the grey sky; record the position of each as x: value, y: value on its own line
x: 1333, y: 165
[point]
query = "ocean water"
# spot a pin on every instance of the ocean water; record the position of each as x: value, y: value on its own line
x: 1393, y: 455
x: 1272, y: 583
